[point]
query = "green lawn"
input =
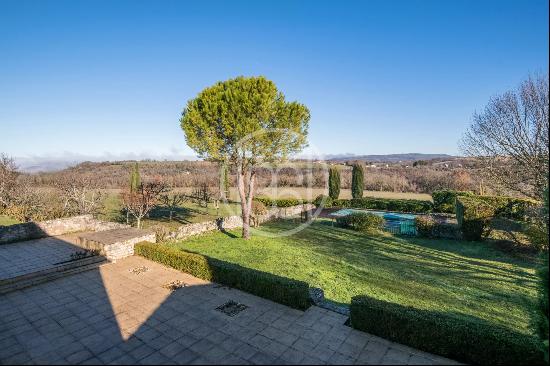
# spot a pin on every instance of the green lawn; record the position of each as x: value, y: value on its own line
x: 187, y: 213
x: 6, y: 221
x: 463, y: 278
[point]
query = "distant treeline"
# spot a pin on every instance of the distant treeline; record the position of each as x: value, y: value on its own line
x: 417, y: 178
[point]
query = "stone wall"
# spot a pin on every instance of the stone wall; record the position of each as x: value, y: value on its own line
x: 115, y: 244
x: 34, y: 230
x: 234, y: 222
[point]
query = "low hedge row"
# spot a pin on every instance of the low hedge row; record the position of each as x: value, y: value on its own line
x: 401, y: 205
x: 508, y: 207
x: 444, y: 200
x: 280, y: 202
x: 468, y: 340
x: 283, y: 290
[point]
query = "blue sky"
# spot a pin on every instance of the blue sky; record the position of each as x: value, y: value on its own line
x: 110, y: 78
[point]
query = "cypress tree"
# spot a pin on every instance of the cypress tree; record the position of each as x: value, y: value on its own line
x: 135, y: 178
x: 334, y: 182
x: 357, y: 181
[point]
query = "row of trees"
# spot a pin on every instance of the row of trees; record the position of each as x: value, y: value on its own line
x: 71, y: 194
x: 140, y: 198
x: 395, y: 178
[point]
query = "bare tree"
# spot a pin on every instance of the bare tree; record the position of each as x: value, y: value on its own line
x: 202, y: 195
x: 8, y: 180
x: 140, y: 202
x: 172, y: 201
x: 80, y: 193
x: 511, y: 138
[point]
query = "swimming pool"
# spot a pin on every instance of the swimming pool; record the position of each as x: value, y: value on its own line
x: 394, y: 222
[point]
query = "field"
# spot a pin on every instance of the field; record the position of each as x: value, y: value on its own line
x: 6, y: 220
x: 187, y: 213
x: 465, y: 279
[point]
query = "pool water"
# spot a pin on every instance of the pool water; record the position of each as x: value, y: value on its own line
x: 394, y: 222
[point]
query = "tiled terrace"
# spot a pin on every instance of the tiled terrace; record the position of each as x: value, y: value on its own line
x: 113, y: 315
x: 22, y: 258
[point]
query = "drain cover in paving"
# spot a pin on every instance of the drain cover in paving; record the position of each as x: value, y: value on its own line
x: 231, y: 308
x: 174, y: 285
x: 138, y: 270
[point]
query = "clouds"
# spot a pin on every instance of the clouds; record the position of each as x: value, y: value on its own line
x: 51, y: 162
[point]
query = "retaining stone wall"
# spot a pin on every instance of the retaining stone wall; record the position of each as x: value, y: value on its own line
x: 34, y: 230
x: 234, y: 222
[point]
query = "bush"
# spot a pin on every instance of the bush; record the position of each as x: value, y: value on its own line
x: 537, y: 228
x: 283, y: 290
x: 473, y: 216
x: 386, y: 204
x: 334, y: 182
x: 466, y: 339
x: 357, y: 181
x: 444, y: 200
x: 362, y: 221
x: 429, y: 227
x: 425, y: 226
x: 161, y: 232
x: 323, y: 200
x: 258, y: 208
x: 280, y: 202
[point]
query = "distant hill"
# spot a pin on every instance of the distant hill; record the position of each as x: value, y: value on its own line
x: 36, y: 165
x: 389, y: 158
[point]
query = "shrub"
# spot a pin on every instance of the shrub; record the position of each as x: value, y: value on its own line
x: 283, y: 290
x: 161, y: 232
x: 444, y: 200
x: 357, y: 181
x: 323, y: 200
x: 362, y: 221
x: 429, y: 227
x: 537, y: 228
x: 334, y: 182
x: 258, y: 208
x: 280, y: 202
x: 466, y: 339
x: 387, y: 204
x: 425, y: 226
x: 473, y: 216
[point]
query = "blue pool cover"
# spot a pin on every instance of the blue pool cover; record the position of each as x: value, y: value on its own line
x: 395, y: 222
x: 385, y: 215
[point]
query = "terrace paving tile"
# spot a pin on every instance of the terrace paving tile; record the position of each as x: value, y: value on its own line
x: 109, y: 315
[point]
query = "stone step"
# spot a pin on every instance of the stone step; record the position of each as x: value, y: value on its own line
x: 50, y: 274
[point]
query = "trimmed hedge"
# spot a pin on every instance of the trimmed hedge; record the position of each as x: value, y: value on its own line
x: 444, y: 200
x: 280, y: 202
x: 473, y: 216
x: 283, y: 290
x: 469, y: 340
x: 386, y: 204
x: 323, y: 200
x: 428, y: 227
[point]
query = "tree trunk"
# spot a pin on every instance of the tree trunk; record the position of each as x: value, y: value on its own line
x: 139, y: 222
x: 245, y: 212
